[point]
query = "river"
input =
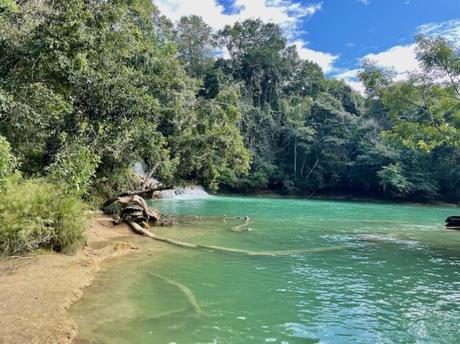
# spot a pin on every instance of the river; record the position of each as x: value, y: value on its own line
x: 391, y: 275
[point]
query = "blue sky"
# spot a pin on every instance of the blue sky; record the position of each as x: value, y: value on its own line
x: 352, y: 29
x: 338, y: 34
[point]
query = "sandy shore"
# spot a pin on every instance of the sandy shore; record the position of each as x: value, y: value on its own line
x: 36, y: 291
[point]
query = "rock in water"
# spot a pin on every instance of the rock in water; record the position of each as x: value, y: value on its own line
x: 453, y: 222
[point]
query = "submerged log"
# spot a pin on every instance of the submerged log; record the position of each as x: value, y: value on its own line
x: 453, y: 222
x: 188, y: 294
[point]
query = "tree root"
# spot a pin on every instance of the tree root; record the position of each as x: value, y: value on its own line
x: 139, y: 230
x: 185, y: 291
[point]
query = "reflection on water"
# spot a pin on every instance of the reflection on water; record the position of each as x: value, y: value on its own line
x: 398, y: 280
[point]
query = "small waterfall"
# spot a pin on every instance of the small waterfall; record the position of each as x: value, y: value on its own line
x: 179, y: 192
x: 139, y: 169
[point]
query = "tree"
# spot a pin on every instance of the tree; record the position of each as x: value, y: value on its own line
x: 424, y: 112
x: 421, y: 118
x: 98, y: 74
x: 393, y: 181
x: 194, y: 42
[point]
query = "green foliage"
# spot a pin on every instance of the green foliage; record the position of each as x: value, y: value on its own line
x: 420, y: 117
x: 36, y: 214
x: 211, y: 147
x: 74, y: 166
x: 194, y: 44
x: 7, y: 160
x: 425, y: 109
x: 392, y: 179
x: 88, y: 88
x: 8, y: 6
x: 106, y: 77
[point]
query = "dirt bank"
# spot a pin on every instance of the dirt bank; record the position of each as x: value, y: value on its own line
x: 36, y: 291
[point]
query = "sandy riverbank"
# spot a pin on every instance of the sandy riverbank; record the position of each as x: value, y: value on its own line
x: 36, y: 291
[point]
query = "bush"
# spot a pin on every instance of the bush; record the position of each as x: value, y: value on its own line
x: 37, y: 214
x: 7, y: 160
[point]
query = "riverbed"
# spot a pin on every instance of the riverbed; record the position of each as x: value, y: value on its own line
x: 390, y: 273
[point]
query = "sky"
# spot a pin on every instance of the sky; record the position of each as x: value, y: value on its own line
x: 338, y: 34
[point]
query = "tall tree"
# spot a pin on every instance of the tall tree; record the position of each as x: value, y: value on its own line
x: 194, y: 40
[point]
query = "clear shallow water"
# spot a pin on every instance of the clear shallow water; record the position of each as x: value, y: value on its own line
x: 397, y: 281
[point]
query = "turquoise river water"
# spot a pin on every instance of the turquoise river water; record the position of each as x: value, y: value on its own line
x: 392, y: 275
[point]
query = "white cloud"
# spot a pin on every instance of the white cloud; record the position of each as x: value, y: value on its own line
x: 400, y: 58
x: 324, y: 60
x: 364, y: 2
x: 286, y: 13
x: 449, y: 29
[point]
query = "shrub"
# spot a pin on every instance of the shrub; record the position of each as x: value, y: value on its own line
x: 37, y: 214
x: 7, y: 160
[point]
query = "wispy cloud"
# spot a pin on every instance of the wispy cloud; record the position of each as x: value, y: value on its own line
x: 449, y: 29
x: 364, y: 2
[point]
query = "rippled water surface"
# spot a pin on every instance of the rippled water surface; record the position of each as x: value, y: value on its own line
x: 392, y: 277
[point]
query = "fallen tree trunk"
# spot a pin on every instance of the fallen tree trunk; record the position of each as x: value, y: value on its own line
x: 142, y: 231
x: 137, y: 219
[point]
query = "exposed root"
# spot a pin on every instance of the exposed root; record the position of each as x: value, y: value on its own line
x: 139, y: 230
x: 135, y: 199
x: 185, y: 291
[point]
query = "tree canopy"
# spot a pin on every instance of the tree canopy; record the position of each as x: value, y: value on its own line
x: 88, y: 88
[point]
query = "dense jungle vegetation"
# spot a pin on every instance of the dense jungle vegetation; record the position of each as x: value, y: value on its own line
x: 89, y: 87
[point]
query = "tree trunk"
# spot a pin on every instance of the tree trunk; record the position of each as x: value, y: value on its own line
x: 295, y: 156
x: 302, y: 169
x: 312, y: 169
